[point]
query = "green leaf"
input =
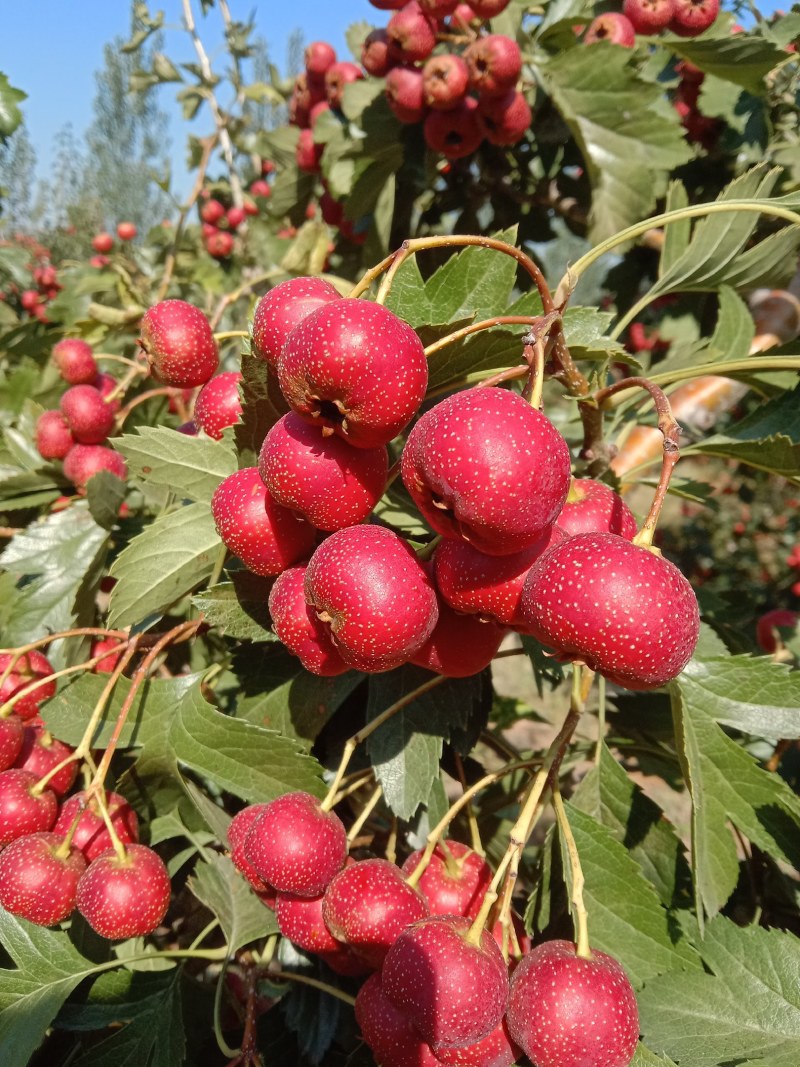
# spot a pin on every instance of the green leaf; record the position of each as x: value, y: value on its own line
x: 742, y: 58
x: 767, y: 439
x: 192, y: 467
x: 167, y: 560
x: 757, y: 696
x: 629, y: 136
x: 746, y: 1010
x: 104, y: 494
x: 143, y: 1011
x: 242, y: 916
x: 262, y: 406
x: 164, y: 69
x: 10, y: 114
x: 47, y: 967
x: 238, y: 608
x: 406, y: 750
x: 727, y: 786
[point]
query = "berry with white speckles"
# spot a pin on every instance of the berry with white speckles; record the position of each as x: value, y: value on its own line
x: 495, y: 1050
x: 23, y: 811
x: 88, y: 416
x: 36, y: 881
x: 617, y: 607
x: 53, y: 437
x: 488, y: 586
x: 11, y: 734
x: 122, y: 898
x: 266, y: 537
x: 454, y: 991
x: 284, y: 307
x: 300, y: 919
x: 75, y: 361
x: 295, y: 846
x: 84, y: 461
x: 329, y: 482
x: 298, y: 627
x: 485, y: 467
x: 593, y: 507
x: 238, y: 829
x: 565, y: 1011
x: 388, y: 1031
x: 455, y: 880
x: 42, y: 753
x: 91, y: 835
x: 179, y: 343
x: 460, y: 645
x: 368, y: 904
x: 218, y: 404
x: 354, y: 368
x: 22, y: 670
x: 367, y: 585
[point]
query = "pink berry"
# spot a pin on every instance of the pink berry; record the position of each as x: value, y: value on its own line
x: 75, y: 361
x: 102, y: 242
x: 495, y: 1050
x: 319, y: 57
x: 494, y: 64
x: 122, y: 898
x: 405, y: 94
x: 179, y: 343
x: 412, y: 34
x: 337, y: 76
x: 53, y: 437
x: 89, y: 418
x: 218, y: 404
x: 455, y: 133
x: 767, y: 627
x: 126, y: 231
x: 648, y: 16
x: 692, y: 17
x: 83, y: 461
x: 239, y: 828
x: 504, y: 119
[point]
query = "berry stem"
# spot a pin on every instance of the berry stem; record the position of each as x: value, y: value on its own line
x: 164, y: 390
x: 474, y: 829
x: 534, y: 355
x: 81, y: 631
x: 142, y: 368
x: 219, y: 563
x: 243, y: 290
x: 279, y: 975
x: 366, y: 811
x: 31, y: 687
x: 601, y: 717
x: 723, y: 369
x: 225, y: 335
x: 476, y: 327
x: 357, y: 781
x: 222, y: 1044
x: 580, y: 915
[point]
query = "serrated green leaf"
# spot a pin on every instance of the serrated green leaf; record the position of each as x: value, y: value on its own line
x: 757, y: 696
x: 167, y: 560
x: 238, y: 608
x: 742, y: 58
x: 192, y: 467
x: 629, y: 137
x: 143, y: 1011
x: 645, y: 1058
x: 746, y: 1010
x: 727, y: 786
x: 262, y: 406
x: 10, y: 114
x: 225, y: 892
x: 104, y: 494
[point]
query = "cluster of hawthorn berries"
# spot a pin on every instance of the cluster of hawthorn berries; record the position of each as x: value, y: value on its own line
x: 56, y: 850
x: 44, y: 284
x: 103, y: 243
x: 76, y: 433
x: 220, y: 221
x: 524, y: 547
x: 443, y: 986
x: 686, y: 18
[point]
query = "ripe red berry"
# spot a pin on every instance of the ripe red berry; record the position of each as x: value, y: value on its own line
x: 445, y: 80
x: 179, y: 343
x: 388, y: 1031
x: 486, y: 467
x: 460, y: 645
x: 41, y: 753
x: 219, y: 245
x: 612, y: 27
x: 103, y: 242
x: 122, y: 898
x: 238, y: 829
x: 505, y: 119
x: 212, y: 212
x: 326, y: 480
x: 494, y: 64
x: 75, y: 361
x: 30, y: 298
x: 455, y: 880
x: 692, y: 17
x: 36, y: 882
x: 487, y: 9
x: 412, y: 34
x: 621, y: 609
x: 109, y: 662
x: 282, y: 308
x: 375, y: 57
x: 566, y: 1011
x: 300, y: 919
x: 453, y: 991
x: 235, y: 217
x: 369, y: 587
x: 24, y: 669
x: 261, y: 188
x: 593, y: 507
x: 89, y: 417
x: 405, y: 94
x: 337, y: 76
x: 319, y: 56
x: 368, y: 904
x: 99, y: 261
x: 53, y: 436
x: 648, y: 16
x: 91, y: 836
x: 21, y: 810
x: 298, y: 627
x: 11, y: 734
x: 83, y: 461
x: 307, y: 153
x: 767, y: 627
x: 218, y: 404
x: 455, y: 133
x: 495, y: 1050
x: 126, y: 231
x: 295, y: 846
x: 266, y: 537
x: 356, y: 369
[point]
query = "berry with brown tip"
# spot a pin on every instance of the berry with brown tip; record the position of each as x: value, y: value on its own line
x: 368, y: 904
x: 504, y: 119
x: 84, y: 461
x: 319, y: 57
x: 218, y: 404
x: 22, y: 670
x: 445, y: 80
x: 42, y: 753
x: 75, y: 361
x: 593, y: 507
x: 412, y: 34
x: 692, y: 17
x: 367, y: 585
x: 460, y: 645
x: 23, y: 811
x: 179, y: 344
x: 266, y: 537
x: 455, y: 880
x: 36, y: 881
x: 455, y: 133
x: 91, y: 835
x: 388, y: 1031
x: 485, y: 467
x: 566, y: 1011
x: 337, y: 77
x: 53, y: 437
x: 648, y: 16
x: 453, y: 989
x: 295, y: 846
x: 621, y: 609
x: 612, y: 27
x: 494, y: 63
x: 326, y: 480
x: 11, y: 734
x: 354, y: 368
x: 298, y: 627
x: 122, y: 898
x: 284, y: 307
x: 103, y: 243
